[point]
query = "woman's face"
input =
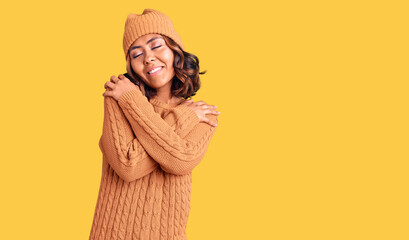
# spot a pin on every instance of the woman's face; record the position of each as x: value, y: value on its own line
x: 150, y: 52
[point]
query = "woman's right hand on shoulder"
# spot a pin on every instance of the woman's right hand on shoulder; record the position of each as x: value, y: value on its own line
x: 201, y: 109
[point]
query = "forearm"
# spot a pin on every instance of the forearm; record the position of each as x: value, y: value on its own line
x: 177, y: 151
x: 120, y: 148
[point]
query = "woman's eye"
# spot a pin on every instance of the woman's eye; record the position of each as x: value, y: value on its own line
x: 135, y: 56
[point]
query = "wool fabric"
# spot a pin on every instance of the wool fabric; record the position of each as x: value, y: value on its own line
x: 150, y: 21
x: 149, y: 150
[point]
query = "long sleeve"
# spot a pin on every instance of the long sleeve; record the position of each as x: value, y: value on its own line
x: 120, y: 148
x: 177, y: 151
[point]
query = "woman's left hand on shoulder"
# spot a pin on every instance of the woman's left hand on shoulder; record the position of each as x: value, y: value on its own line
x: 118, y: 86
x: 201, y: 109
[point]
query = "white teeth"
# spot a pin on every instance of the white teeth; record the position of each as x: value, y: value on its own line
x: 154, y: 70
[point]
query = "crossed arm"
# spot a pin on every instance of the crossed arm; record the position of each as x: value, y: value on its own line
x: 119, y: 146
x: 136, y: 140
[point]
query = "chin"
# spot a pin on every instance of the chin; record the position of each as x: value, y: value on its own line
x: 155, y: 86
x: 158, y: 84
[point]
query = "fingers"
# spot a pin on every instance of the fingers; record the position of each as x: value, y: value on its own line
x: 212, y: 112
x: 210, y: 122
x: 206, y: 106
x: 211, y: 109
x: 114, y: 79
x: 121, y: 77
x: 215, y: 112
x: 109, y: 85
x: 200, y: 103
x: 107, y: 94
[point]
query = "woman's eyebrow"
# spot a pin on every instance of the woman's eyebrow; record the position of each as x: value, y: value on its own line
x: 150, y: 40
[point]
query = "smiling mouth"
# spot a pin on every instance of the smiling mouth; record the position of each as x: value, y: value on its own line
x: 155, y: 70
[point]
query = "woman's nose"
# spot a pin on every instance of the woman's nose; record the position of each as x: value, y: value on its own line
x: 149, y: 58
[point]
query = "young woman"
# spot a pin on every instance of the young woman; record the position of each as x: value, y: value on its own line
x: 153, y: 135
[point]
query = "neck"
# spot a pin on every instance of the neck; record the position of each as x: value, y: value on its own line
x: 165, y: 97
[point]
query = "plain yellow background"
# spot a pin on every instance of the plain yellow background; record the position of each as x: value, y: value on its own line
x: 312, y: 141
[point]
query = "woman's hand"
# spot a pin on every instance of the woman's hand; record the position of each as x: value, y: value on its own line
x: 201, y: 109
x: 117, y: 86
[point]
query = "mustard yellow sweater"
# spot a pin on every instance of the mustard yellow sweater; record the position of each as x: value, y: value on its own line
x: 149, y: 150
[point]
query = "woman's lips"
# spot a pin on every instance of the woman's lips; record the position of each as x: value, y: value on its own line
x: 155, y: 73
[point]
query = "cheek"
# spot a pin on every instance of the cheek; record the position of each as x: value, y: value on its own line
x: 138, y: 71
x: 169, y: 56
x: 136, y: 67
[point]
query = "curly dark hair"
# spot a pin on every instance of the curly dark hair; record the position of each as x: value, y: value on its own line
x: 186, y: 81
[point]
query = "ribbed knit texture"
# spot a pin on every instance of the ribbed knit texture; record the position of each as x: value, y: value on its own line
x: 146, y: 180
x: 150, y: 21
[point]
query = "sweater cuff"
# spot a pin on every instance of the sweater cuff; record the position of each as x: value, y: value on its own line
x: 189, y: 118
x: 131, y: 94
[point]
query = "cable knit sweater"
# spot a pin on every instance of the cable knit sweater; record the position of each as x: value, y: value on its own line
x: 149, y: 150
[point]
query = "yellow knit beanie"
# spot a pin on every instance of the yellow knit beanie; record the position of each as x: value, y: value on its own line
x: 150, y: 21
